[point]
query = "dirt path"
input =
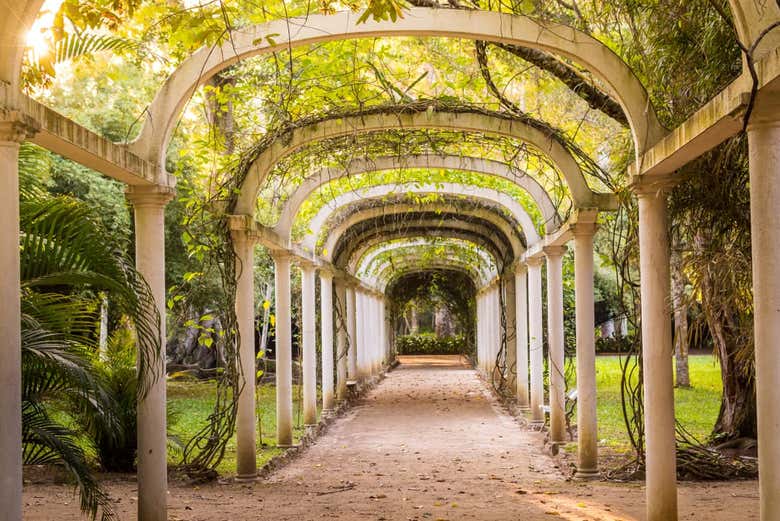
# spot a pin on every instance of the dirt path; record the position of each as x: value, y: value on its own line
x: 428, y: 444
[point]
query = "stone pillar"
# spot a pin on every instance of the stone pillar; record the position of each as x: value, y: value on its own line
x: 510, y: 315
x: 360, y: 338
x: 149, y: 211
x: 342, y: 343
x: 12, y: 133
x: 554, y: 255
x: 246, y: 422
x: 521, y: 334
x: 352, y: 371
x: 764, y: 154
x: 284, y: 397
x: 535, y: 339
x: 326, y: 318
x: 655, y: 287
x: 587, y: 430
x: 309, y: 343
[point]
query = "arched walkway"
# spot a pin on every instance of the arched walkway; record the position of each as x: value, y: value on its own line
x: 429, y: 442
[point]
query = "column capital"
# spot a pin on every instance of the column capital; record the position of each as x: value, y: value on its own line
x: 584, y: 229
x: 554, y: 251
x: 306, y: 264
x: 147, y: 196
x: 520, y: 268
x: 653, y: 186
x: 326, y: 272
x: 280, y: 255
x: 16, y: 127
x: 533, y: 262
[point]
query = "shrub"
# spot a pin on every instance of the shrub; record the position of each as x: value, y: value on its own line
x: 429, y: 344
x: 614, y: 345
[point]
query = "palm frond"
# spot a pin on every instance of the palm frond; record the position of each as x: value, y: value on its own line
x: 49, y: 443
x: 64, y: 247
x: 75, y: 45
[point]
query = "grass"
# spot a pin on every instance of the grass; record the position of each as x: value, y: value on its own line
x: 696, y: 408
x: 191, y: 403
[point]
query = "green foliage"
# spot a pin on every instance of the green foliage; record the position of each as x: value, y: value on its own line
x: 615, y: 345
x: 67, y: 258
x: 430, y: 344
x: 111, y: 424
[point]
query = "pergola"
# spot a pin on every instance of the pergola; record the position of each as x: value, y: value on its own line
x: 357, y: 238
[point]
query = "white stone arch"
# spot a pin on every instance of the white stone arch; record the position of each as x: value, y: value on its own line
x: 18, y: 17
x: 485, y: 195
x: 581, y: 194
x: 500, y: 222
x: 411, y: 262
x: 280, y: 35
x: 751, y: 19
x: 436, y: 161
x: 365, y: 265
x: 465, y: 230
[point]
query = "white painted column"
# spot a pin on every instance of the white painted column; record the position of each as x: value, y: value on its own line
x: 149, y: 211
x: 11, y: 135
x: 284, y: 397
x: 308, y: 337
x: 521, y: 333
x: 375, y: 335
x: 342, y: 343
x: 326, y: 321
x: 246, y: 422
x: 554, y: 256
x: 764, y: 150
x: 535, y: 339
x: 352, y: 369
x: 360, y: 320
x: 655, y: 286
x: 510, y: 314
x: 587, y: 425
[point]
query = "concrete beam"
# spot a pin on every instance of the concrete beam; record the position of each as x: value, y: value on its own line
x: 720, y: 119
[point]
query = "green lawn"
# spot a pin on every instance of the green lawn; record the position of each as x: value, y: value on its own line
x: 696, y: 408
x: 191, y: 402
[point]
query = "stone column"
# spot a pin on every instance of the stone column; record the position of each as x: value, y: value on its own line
x: 12, y: 133
x: 764, y: 154
x: 521, y: 328
x: 149, y: 211
x: 360, y: 338
x: 284, y: 398
x: 510, y: 315
x: 309, y: 343
x: 535, y: 339
x: 326, y: 318
x: 587, y: 429
x: 554, y: 255
x: 342, y: 343
x: 655, y: 287
x: 352, y: 371
x: 246, y: 422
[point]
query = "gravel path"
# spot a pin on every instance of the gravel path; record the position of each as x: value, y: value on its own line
x: 429, y: 443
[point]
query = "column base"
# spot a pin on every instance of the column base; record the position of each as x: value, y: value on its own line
x: 287, y: 445
x: 524, y: 408
x: 246, y: 478
x: 587, y: 474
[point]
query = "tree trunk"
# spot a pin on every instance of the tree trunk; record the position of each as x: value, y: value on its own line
x: 681, y: 340
x: 737, y: 415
